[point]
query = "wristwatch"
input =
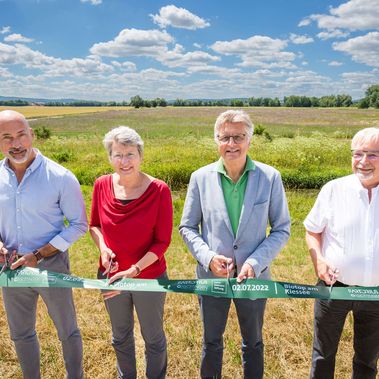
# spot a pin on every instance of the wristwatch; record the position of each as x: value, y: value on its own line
x: 38, y: 256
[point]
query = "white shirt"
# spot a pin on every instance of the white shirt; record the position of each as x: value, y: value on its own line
x: 349, y: 224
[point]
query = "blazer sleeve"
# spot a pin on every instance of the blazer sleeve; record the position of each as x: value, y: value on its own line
x: 279, y: 220
x: 189, y: 227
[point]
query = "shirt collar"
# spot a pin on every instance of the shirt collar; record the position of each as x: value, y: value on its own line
x: 34, y: 165
x: 250, y: 166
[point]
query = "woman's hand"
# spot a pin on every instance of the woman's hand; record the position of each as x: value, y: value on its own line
x: 109, y: 294
x: 107, y: 261
x: 129, y: 273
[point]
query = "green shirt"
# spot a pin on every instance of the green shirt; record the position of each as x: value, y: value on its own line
x: 234, y: 193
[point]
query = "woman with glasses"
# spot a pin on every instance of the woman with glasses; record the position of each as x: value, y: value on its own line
x: 131, y: 224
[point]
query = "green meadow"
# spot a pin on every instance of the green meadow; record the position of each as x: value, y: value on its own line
x: 309, y: 146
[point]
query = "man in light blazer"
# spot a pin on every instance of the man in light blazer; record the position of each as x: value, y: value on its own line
x: 229, y: 205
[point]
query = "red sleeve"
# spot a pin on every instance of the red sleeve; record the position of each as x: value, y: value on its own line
x: 95, y: 217
x: 163, y: 227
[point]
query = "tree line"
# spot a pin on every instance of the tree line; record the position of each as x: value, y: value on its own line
x: 370, y: 100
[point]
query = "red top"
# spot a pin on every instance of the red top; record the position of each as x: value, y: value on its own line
x: 133, y: 229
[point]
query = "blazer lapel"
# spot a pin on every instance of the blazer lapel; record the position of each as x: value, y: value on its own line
x: 219, y: 200
x: 249, y: 200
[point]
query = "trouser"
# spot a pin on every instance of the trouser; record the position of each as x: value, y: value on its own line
x: 214, y: 313
x: 149, y: 308
x: 329, y: 320
x: 21, y: 304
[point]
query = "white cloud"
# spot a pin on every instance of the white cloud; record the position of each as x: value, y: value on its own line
x: 4, y: 73
x: 257, y: 51
x: 171, y: 15
x: 151, y: 43
x: 177, y: 58
x: 134, y: 42
x: 5, y: 30
x: 213, y: 70
x: 127, y: 66
x: 93, y: 2
x: 300, y: 40
x: 352, y: 15
x: 197, y: 45
x: 305, y: 22
x: 363, y: 49
x: 335, y: 33
x: 50, y: 66
x: 335, y: 63
x: 15, y: 37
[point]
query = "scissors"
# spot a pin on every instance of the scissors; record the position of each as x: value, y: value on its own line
x: 335, y: 272
x: 107, y: 271
x: 9, y: 259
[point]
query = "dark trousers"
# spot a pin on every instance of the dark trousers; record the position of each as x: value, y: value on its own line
x: 214, y: 314
x: 329, y: 320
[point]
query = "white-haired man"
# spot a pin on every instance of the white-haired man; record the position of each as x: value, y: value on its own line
x: 342, y: 234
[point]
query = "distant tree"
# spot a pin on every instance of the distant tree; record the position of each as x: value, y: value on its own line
x: 364, y: 103
x: 237, y: 103
x: 161, y: 102
x: 315, y: 102
x: 14, y: 103
x: 274, y: 102
x: 179, y: 103
x: 136, y: 101
x: 373, y: 94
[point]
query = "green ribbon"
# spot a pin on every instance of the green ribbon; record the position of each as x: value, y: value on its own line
x: 228, y: 288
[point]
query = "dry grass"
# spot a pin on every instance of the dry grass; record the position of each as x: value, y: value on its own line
x: 41, y: 111
x: 287, y: 328
x: 288, y: 322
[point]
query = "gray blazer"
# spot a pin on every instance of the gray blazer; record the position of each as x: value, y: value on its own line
x: 205, y: 226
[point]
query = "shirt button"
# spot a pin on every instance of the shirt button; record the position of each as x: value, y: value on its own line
x: 235, y: 247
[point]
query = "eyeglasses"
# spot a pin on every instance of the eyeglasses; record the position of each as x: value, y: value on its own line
x: 238, y: 138
x: 120, y: 157
x: 358, y: 155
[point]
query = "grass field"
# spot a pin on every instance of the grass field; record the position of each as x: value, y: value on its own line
x: 304, y: 142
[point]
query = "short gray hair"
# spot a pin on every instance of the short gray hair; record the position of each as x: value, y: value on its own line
x: 366, y: 135
x: 231, y: 116
x: 125, y: 136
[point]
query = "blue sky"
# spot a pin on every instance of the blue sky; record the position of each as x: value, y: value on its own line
x: 115, y: 49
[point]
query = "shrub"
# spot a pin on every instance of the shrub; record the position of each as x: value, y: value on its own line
x: 259, y: 129
x: 42, y: 132
x: 62, y: 157
x: 268, y: 136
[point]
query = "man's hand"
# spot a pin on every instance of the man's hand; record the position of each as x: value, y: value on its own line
x: 3, y: 253
x: 221, y: 265
x: 326, y: 272
x: 246, y: 272
x: 28, y: 260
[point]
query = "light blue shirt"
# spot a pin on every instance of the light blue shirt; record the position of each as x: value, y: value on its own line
x: 33, y: 212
